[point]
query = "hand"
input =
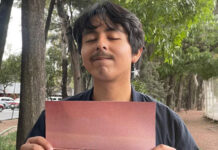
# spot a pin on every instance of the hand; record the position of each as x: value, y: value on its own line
x: 36, y: 143
x: 163, y: 147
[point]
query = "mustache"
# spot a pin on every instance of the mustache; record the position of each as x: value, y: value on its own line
x: 101, y: 54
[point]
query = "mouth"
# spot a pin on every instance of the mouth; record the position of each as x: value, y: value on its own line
x: 100, y: 58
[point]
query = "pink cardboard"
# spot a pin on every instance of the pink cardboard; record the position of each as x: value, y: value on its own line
x: 94, y: 125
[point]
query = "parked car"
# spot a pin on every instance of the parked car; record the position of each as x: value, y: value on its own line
x: 6, y: 101
x: 54, y: 98
x: 15, y: 103
x: 1, y: 107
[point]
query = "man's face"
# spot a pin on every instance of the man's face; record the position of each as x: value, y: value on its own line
x: 106, y: 52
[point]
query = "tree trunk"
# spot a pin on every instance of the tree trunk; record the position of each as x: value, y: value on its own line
x: 180, y: 90
x: 195, y: 87
x: 200, y: 94
x: 216, y: 8
x: 89, y: 82
x: 170, y: 94
x: 64, y: 77
x: 150, y: 50
x: 32, y: 67
x: 74, y: 54
x: 4, y: 90
x: 64, y: 70
x: 5, y: 13
x: 87, y: 79
x: 190, y: 97
x: 147, y: 53
x: 48, y: 20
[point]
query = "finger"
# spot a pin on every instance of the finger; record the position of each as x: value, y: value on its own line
x: 40, y: 141
x: 29, y: 146
x: 163, y: 147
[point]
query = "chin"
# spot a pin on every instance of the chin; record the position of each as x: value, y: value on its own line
x: 103, y: 74
x: 103, y: 78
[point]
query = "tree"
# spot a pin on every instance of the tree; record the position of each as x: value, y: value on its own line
x: 56, y: 45
x: 48, y: 20
x: 32, y: 67
x: 197, y: 57
x: 5, y: 12
x: 53, y: 69
x: 179, y: 93
x: 64, y: 70
x: 67, y: 12
x: 74, y: 53
x: 57, y: 57
x: 10, y: 71
x: 216, y: 8
x: 148, y: 81
x: 166, y: 23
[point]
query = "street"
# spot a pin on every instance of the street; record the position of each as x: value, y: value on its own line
x: 7, y: 114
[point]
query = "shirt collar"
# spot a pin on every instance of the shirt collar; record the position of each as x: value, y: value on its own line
x: 136, y: 96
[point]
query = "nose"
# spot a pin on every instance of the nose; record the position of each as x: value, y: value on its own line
x: 102, y: 44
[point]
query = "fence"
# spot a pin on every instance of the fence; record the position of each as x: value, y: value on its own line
x: 211, y: 102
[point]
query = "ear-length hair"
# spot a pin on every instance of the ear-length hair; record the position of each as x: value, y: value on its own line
x: 111, y: 14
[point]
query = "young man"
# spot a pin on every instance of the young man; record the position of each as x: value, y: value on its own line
x: 110, y: 39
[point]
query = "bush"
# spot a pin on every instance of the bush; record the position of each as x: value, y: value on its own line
x: 149, y: 82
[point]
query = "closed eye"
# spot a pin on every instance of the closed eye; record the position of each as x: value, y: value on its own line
x: 112, y: 38
x: 91, y: 40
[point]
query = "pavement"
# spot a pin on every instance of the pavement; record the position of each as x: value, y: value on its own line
x: 7, y: 114
x: 203, y: 130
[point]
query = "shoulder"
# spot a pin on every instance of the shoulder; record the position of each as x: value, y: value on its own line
x: 164, y: 114
x: 161, y: 109
x: 170, y: 128
x: 39, y: 127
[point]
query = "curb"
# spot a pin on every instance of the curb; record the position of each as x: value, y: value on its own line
x: 7, y: 130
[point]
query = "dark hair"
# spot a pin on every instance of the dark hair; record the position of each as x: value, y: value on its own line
x: 117, y: 15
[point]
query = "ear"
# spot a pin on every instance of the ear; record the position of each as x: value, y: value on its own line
x: 136, y: 57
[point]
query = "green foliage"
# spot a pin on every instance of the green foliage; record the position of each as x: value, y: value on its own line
x: 167, y: 22
x: 198, y: 54
x: 10, y: 70
x: 191, y: 62
x: 8, y: 142
x: 149, y: 81
x: 53, y: 69
x: 204, y: 40
x: 183, y: 33
x: 139, y: 85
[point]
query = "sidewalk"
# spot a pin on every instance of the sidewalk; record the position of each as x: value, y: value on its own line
x: 7, y: 124
x: 203, y: 130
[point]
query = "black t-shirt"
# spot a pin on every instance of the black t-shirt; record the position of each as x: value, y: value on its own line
x: 170, y: 129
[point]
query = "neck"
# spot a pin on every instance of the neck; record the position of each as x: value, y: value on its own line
x: 107, y: 91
